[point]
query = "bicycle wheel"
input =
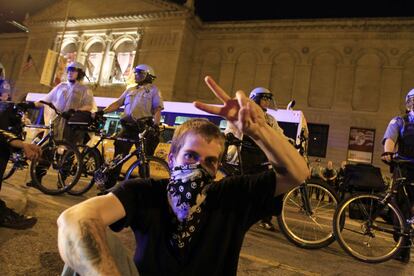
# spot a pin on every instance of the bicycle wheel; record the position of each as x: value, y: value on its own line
x: 157, y: 168
x: 16, y: 162
x: 10, y: 169
x: 58, y: 169
x: 91, y: 161
x: 365, y: 235
x: 310, y: 229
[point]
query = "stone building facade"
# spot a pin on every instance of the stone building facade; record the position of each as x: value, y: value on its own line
x: 342, y: 73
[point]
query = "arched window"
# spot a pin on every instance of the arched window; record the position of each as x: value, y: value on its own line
x: 245, y: 72
x: 407, y: 80
x: 94, y: 61
x: 367, y: 84
x: 123, y: 63
x: 211, y: 67
x: 69, y: 52
x: 67, y: 55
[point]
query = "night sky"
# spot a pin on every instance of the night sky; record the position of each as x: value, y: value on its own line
x: 224, y: 10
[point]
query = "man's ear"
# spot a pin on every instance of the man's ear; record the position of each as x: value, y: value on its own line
x: 171, y: 160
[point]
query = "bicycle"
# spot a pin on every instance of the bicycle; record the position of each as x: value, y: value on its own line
x: 145, y: 166
x: 305, y: 220
x: 92, y: 157
x: 61, y: 156
x: 362, y: 223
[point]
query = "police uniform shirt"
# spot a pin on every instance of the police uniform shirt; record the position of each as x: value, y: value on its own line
x: 271, y: 121
x: 141, y: 101
x: 67, y: 96
x: 394, y: 128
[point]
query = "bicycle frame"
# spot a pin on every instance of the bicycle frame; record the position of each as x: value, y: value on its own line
x: 398, y: 181
x: 138, y: 152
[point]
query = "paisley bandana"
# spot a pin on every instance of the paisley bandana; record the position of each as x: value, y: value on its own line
x: 187, y: 188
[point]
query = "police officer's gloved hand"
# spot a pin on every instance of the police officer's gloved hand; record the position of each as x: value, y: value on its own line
x: 99, y: 113
x: 68, y: 114
x: 26, y: 105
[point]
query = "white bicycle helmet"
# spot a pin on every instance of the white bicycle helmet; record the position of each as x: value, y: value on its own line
x: 146, y: 68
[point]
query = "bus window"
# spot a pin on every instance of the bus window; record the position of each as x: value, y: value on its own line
x: 112, y: 124
x: 181, y: 119
x: 167, y: 134
x: 223, y: 124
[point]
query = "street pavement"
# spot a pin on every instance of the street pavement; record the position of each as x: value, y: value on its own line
x: 34, y: 251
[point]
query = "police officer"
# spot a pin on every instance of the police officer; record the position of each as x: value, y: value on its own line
x: 253, y: 159
x: 68, y: 97
x: 8, y: 140
x: 142, y: 106
x: 5, y: 89
x: 399, y: 137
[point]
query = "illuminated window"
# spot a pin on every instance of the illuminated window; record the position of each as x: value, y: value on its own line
x: 123, y: 62
x: 67, y: 55
x: 94, y: 61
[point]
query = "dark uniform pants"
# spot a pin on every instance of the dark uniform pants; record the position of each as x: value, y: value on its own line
x: 123, y: 148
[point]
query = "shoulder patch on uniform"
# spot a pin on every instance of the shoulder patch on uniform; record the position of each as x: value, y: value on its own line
x: 393, y: 121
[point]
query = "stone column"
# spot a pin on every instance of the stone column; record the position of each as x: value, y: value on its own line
x: 107, y: 60
x: 226, y: 76
x: 263, y: 71
x: 301, y: 85
x: 79, y: 50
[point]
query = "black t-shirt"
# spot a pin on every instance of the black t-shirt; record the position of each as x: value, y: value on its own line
x: 232, y: 206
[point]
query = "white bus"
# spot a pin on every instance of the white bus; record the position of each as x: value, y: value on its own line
x: 176, y: 113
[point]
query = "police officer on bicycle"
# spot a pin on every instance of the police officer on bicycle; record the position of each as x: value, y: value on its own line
x: 399, y: 137
x: 71, y: 98
x: 142, y: 107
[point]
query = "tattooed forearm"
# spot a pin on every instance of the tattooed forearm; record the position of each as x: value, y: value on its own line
x: 88, y: 250
x: 90, y: 233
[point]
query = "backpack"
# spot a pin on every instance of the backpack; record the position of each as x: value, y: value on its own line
x: 363, y: 178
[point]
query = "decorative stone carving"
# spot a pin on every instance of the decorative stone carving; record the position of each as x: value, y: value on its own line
x: 348, y: 50
x: 394, y: 51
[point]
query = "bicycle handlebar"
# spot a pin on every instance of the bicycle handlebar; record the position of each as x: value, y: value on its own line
x: 397, y: 159
x: 52, y: 106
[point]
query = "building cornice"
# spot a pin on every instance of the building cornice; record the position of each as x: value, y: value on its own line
x: 132, y: 18
x: 346, y: 24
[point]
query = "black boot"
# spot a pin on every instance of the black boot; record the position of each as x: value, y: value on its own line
x: 10, y: 219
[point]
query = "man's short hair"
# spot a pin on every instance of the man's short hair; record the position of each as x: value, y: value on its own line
x: 202, y: 127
